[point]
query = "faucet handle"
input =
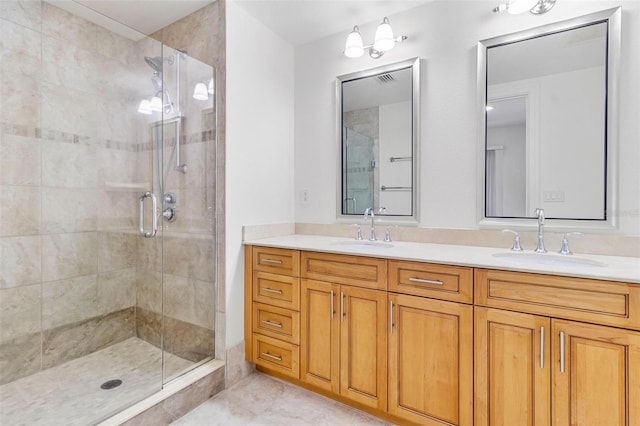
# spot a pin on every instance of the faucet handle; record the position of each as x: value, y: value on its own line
x: 387, y: 235
x: 358, y: 233
x: 516, y: 240
x: 565, y: 249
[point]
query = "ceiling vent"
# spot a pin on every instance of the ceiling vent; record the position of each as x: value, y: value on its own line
x: 386, y: 78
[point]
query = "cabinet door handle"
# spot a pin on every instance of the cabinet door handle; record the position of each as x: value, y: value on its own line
x: 562, y: 351
x: 341, y: 306
x: 422, y: 281
x: 390, y: 316
x: 270, y: 290
x: 274, y: 261
x: 272, y: 324
x: 268, y: 355
x: 331, y: 308
x: 541, y: 347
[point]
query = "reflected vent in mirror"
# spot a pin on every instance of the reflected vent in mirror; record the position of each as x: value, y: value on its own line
x: 386, y: 78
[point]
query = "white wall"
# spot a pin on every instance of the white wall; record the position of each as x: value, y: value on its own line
x: 259, y: 144
x: 445, y: 34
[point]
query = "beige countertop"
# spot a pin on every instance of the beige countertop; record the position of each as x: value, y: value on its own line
x: 577, y: 265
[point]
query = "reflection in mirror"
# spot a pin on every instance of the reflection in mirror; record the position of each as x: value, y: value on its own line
x: 378, y: 140
x: 548, y: 110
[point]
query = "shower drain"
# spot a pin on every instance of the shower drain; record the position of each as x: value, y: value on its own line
x: 110, y: 384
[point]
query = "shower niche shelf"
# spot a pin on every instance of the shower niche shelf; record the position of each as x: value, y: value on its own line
x: 127, y: 186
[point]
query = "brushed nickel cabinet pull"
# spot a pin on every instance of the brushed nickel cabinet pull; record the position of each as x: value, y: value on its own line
x: 541, y: 347
x: 562, y: 351
x: 272, y: 324
x: 390, y: 316
x: 274, y: 261
x: 331, y: 308
x: 270, y: 290
x: 268, y: 355
x: 341, y: 306
x: 421, y: 281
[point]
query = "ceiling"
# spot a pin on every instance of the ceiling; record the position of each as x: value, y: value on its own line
x: 296, y: 21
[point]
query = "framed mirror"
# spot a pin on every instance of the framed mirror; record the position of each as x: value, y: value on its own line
x: 547, y: 102
x: 377, y: 121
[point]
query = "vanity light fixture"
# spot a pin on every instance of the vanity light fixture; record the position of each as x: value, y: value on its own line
x: 210, y: 86
x: 145, y: 107
x: 156, y: 103
x: 514, y: 7
x: 383, y: 41
x: 200, y: 92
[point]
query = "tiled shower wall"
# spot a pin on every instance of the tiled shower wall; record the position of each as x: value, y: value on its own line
x: 74, y: 159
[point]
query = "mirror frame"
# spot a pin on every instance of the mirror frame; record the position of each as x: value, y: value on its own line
x: 613, y: 18
x: 414, y: 64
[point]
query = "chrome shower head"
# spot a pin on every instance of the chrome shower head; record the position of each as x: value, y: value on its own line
x: 157, y: 83
x: 155, y: 63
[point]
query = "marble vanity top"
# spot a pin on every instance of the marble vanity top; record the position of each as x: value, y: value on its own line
x: 578, y: 265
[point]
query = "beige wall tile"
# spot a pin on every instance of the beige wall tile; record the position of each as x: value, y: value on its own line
x: 69, y: 165
x: 116, y: 290
x: 20, y: 160
x: 117, y: 210
x: 189, y: 257
x: 69, y: 301
x: 80, y: 65
x: 149, y: 290
x: 189, y: 300
x: 65, y: 26
x: 117, y: 250
x: 24, y: 12
x: 69, y: 210
x: 69, y: 110
x: 20, y: 261
x: 69, y: 255
x: 20, y: 210
x: 21, y: 49
x: 20, y: 357
x: 21, y: 95
x: 19, y: 311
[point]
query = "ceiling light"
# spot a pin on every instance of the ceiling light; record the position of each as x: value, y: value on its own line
x: 383, y: 41
x: 514, y: 7
x: 354, y: 48
x: 489, y: 108
x: 145, y: 107
x: 210, y: 86
x: 200, y: 92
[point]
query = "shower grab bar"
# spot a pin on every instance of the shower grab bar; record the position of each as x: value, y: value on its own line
x: 394, y: 159
x: 395, y: 188
x: 154, y: 216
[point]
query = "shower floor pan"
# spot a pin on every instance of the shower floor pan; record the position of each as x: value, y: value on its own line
x: 71, y: 393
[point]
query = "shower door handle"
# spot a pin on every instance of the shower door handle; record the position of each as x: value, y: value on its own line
x: 154, y: 216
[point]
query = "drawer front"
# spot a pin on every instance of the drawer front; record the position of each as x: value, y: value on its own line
x: 343, y: 269
x: 279, y: 323
x: 596, y: 301
x: 428, y: 280
x: 276, y: 261
x: 276, y: 290
x: 276, y: 355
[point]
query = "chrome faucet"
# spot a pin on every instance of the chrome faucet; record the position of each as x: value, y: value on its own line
x: 540, y: 245
x: 369, y: 212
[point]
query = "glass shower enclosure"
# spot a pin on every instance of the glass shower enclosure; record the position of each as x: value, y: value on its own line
x: 107, y: 245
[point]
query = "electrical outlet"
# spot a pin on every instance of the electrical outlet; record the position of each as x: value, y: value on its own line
x: 305, y: 198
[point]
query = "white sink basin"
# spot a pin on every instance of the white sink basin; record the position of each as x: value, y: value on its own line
x: 549, y: 259
x: 362, y: 244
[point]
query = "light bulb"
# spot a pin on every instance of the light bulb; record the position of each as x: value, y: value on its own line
x: 383, y: 40
x: 520, y: 6
x: 354, y: 48
x: 200, y: 92
x: 145, y: 107
x: 156, y: 104
x: 210, y: 87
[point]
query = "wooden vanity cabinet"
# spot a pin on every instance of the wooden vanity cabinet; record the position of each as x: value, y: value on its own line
x: 344, y: 336
x: 550, y: 369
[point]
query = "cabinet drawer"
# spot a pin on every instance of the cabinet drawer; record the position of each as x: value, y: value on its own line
x: 596, y: 301
x: 343, y: 269
x: 276, y: 290
x: 453, y: 283
x: 276, y: 355
x: 276, y: 322
x: 276, y: 261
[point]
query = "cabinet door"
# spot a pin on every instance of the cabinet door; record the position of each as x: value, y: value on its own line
x: 512, y: 370
x: 431, y: 361
x: 320, y: 335
x: 363, y: 346
x: 596, y: 375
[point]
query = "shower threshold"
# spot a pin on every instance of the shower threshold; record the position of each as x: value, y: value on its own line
x: 71, y: 393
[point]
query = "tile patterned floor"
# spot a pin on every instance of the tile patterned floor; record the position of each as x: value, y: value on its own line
x: 263, y: 400
x: 70, y: 394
